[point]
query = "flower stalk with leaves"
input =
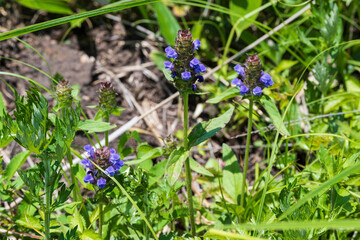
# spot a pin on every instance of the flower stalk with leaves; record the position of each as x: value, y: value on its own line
x: 186, y: 71
x: 252, y: 80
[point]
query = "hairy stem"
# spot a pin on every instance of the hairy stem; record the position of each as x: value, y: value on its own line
x: 187, y: 167
x: 246, y: 161
x: 47, y: 166
x: 101, y: 219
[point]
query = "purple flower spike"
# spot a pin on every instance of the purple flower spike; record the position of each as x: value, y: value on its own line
x: 110, y: 171
x: 101, y: 182
x: 257, y: 91
x: 186, y: 75
x: 266, y: 79
x: 197, y: 44
x: 89, y: 179
x: 194, y: 62
x: 87, y: 163
x: 240, y: 70
x: 171, y: 53
x: 168, y: 65
x: 194, y: 87
x: 237, y: 82
x: 200, y: 78
x: 244, y: 89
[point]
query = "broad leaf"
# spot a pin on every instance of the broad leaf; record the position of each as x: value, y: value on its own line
x: 51, y: 6
x: 243, y: 8
x: 153, y: 153
x: 196, y: 167
x: 167, y: 22
x: 232, y: 176
x: 15, y: 163
x: 205, y: 130
x: 275, y: 116
x: 95, y: 126
x: 175, y: 164
x: 228, y: 93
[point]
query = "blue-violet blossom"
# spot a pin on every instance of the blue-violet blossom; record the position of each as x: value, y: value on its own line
x: 107, y: 159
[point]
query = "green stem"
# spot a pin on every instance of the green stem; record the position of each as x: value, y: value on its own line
x: 147, y: 233
x: 271, y: 160
x: 107, y: 132
x: 76, y: 192
x: 101, y: 219
x: 248, y: 139
x: 187, y: 167
x: 47, y: 198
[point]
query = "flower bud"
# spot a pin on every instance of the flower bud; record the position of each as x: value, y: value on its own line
x: 63, y: 94
x: 107, y: 97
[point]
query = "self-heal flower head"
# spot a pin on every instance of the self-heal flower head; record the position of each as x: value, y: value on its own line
x: 194, y: 62
x: 240, y: 70
x: 257, y: 91
x: 266, y: 80
x: 168, y: 65
x: 186, y: 75
x: 107, y: 97
x: 197, y: 44
x: 244, y: 90
x: 186, y: 69
x: 237, y: 82
x: 252, y: 80
x: 171, y: 53
x: 101, y: 183
x: 106, y: 159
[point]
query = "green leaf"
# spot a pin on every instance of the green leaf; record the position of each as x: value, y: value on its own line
x: 95, y: 126
x: 29, y: 222
x: 219, y: 234
x: 90, y: 235
x: 341, y: 224
x: 196, y: 167
x: 175, y: 164
x: 55, y: 22
x: 228, y: 93
x: 156, y: 152
x: 167, y: 22
x: 205, y: 130
x: 275, y: 116
x: 243, y: 8
x: 156, y: 172
x: 2, y: 105
x: 51, y: 6
x: 15, y: 163
x: 322, y: 188
x: 232, y: 176
x: 80, y: 174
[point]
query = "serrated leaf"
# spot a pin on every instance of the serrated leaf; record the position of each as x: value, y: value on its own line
x: 205, y: 130
x: 95, y: 126
x: 232, y: 176
x: 228, y: 93
x: 275, y: 116
x: 243, y: 8
x: 29, y: 222
x: 196, y: 167
x: 167, y: 22
x: 175, y: 165
x: 15, y: 163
